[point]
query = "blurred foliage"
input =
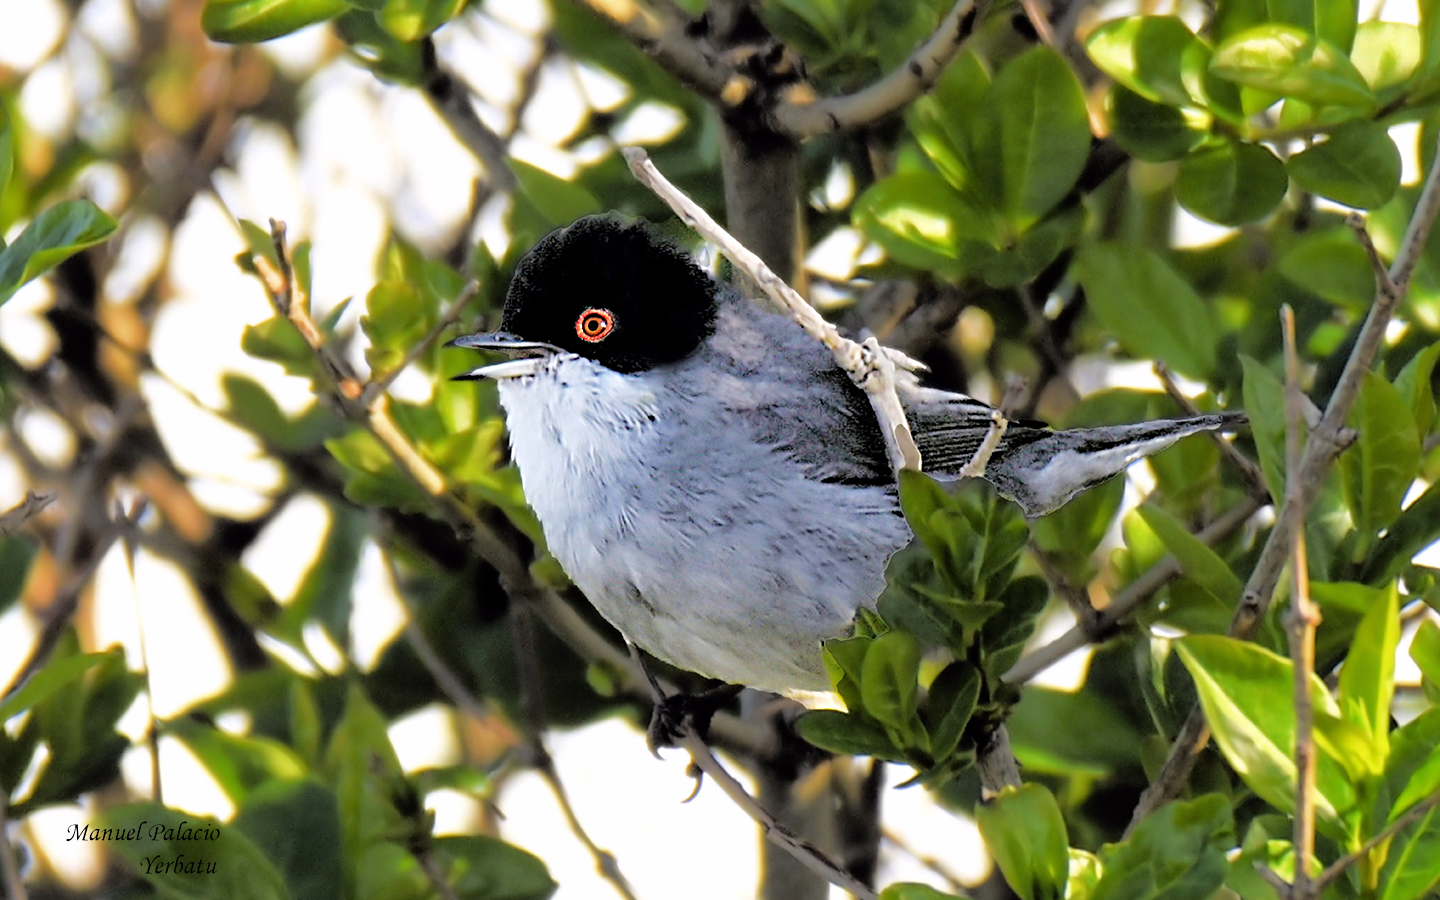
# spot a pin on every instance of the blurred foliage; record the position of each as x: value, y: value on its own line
x: 1029, y: 202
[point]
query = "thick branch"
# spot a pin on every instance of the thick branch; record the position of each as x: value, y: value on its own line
x: 800, y: 119
x: 673, y: 50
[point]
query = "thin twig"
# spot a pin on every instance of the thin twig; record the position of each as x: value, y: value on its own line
x: 9, y: 871
x: 1301, y: 623
x: 448, y: 318
x: 1338, y: 867
x: 152, y: 730
x: 872, y: 367
x: 61, y: 609
x: 806, y: 853
x: 938, y: 866
x: 451, y: 101
x: 1125, y: 602
x: 1275, y: 880
x: 1356, y: 223
x: 665, y: 41
x: 533, y: 702
x: 1074, y: 596
x: 909, y: 80
x: 22, y: 512
x: 1252, y: 474
x: 1326, y: 441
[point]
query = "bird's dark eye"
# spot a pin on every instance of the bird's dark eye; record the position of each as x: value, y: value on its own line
x: 595, y: 324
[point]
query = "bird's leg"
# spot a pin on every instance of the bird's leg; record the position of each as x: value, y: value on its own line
x: 975, y: 468
x: 672, y: 714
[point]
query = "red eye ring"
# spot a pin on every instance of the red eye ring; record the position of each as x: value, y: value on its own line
x: 594, y: 325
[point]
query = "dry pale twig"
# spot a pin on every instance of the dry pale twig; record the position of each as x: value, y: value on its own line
x: 872, y: 367
x: 1326, y: 440
x: 22, y: 512
x: 1301, y: 622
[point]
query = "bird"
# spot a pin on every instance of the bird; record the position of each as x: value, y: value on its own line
x: 709, y: 477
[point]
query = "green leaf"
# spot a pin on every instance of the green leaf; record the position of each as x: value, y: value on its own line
x: 251, y: 21
x: 1025, y: 833
x: 1422, y: 784
x: 1150, y: 131
x: 485, y: 867
x: 1264, y: 396
x: 1231, y: 183
x: 277, y: 340
x: 1367, y: 680
x: 1147, y: 54
x: 54, y: 236
x: 411, y: 20
x: 1035, y: 126
x: 912, y: 891
x: 949, y: 706
x: 889, y: 684
x: 239, y: 764
x: 17, y: 554
x: 7, y: 153
x: 1331, y: 264
x: 297, y: 825
x: 365, y: 774
x: 1358, y: 165
x: 1151, y: 310
x: 556, y: 201
x: 1413, y: 383
x: 1247, y: 694
x: 1379, y: 469
x: 1386, y: 53
x: 1201, y: 564
x: 1425, y: 650
x: 56, y: 674
x: 1288, y: 61
x: 190, y: 857
x: 941, y: 120
x: 1413, y: 867
x: 1175, y: 853
x: 838, y: 732
x: 918, y: 218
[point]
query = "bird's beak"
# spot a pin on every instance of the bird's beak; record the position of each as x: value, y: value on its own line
x: 531, y: 354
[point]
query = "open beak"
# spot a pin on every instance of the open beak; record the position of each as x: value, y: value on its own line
x: 529, y: 355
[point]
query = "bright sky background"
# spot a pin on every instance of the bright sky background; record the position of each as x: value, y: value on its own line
x: 369, y: 154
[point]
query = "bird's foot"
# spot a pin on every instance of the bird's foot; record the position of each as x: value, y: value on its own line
x: 672, y: 716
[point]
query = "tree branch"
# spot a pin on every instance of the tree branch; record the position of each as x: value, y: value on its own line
x: 1301, y: 622
x: 801, y: 119
x: 666, y: 42
x: 1326, y: 441
x: 22, y: 512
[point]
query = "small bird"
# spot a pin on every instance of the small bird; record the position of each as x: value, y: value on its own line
x: 709, y: 477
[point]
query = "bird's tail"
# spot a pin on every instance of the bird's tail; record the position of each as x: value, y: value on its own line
x: 1045, y: 471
